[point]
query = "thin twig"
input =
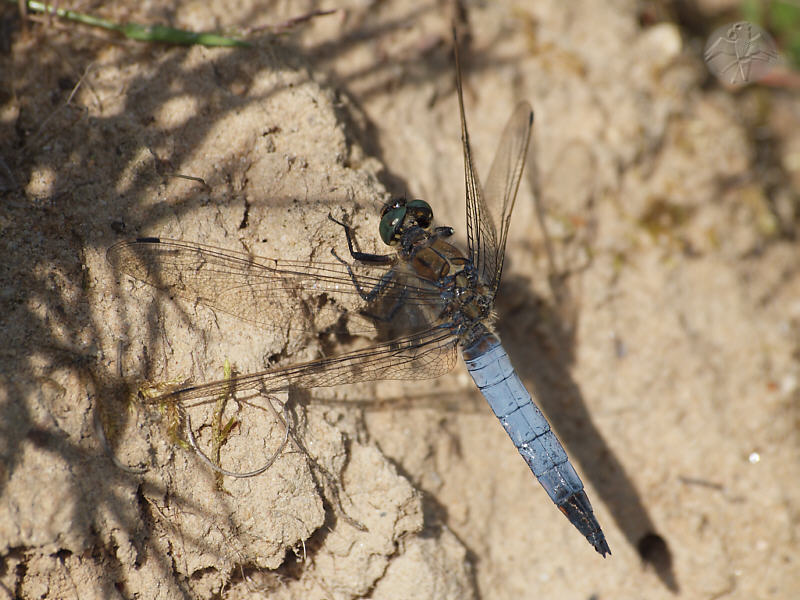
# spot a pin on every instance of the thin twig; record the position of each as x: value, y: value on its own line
x: 220, y: 470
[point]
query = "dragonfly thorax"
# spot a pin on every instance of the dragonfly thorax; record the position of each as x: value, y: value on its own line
x: 471, y: 305
x: 466, y: 301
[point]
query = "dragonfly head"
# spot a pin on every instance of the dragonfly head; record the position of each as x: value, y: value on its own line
x: 400, y: 215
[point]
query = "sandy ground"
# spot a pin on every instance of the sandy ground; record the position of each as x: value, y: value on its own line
x: 657, y: 322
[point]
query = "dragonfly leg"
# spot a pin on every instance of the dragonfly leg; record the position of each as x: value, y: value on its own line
x: 385, y: 259
x: 375, y: 291
x: 398, y: 304
x: 388, y: 276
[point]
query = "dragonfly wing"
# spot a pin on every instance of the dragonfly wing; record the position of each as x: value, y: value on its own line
x: 501, y: 186
x: 260, y: 290
x: 423, y: 355
x: 481, y: 230
x: 492, y: 205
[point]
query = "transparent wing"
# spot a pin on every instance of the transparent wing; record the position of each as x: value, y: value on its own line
x: 501, y: 186
x: 481, y: 231
x: 260, y: 290
x: 494, y: 203
x: 423, y: 355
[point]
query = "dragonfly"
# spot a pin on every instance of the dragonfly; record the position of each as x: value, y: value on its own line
x: 435, y: 299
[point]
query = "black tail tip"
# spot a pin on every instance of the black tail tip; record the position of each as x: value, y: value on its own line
x: 578, y: 510
x: 602, y: 547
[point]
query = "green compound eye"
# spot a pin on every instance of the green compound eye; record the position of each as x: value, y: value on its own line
x: 422, y: 212
x: 390, y: 223
x: 419, y: 204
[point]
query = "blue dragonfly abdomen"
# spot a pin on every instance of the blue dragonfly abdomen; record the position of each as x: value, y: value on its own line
x: 491, y: 369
